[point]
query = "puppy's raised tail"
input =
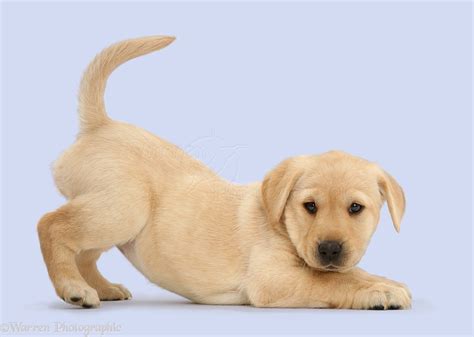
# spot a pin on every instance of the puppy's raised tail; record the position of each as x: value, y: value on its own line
x: 92, y: 112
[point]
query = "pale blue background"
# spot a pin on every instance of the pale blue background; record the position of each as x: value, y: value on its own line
x: 244, y: 86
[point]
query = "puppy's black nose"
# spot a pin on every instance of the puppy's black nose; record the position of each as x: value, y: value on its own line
x: 329, y: 251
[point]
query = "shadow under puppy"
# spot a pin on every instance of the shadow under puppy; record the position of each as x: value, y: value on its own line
x: 293, y: 240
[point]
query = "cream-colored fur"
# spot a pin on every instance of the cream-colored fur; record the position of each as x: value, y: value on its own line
x: 195, y: 234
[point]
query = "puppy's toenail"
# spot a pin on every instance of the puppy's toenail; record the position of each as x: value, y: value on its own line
x: 376, y: 307
x: 394, y: 307
x: 87, y: 306
x: 75, y: 299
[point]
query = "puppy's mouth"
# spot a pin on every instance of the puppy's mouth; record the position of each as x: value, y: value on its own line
x: 331, y: 267
x: 334, y: 268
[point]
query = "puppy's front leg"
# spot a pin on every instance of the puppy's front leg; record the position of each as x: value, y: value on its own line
x: 282, y: 280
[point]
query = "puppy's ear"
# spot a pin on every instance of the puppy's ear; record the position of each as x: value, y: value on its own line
x: 276, y: 188
x: 393, y: 194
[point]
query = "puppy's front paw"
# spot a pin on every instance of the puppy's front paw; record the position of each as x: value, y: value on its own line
x: 394, y: 283
x: 382, y: 296
x: 78, y: 294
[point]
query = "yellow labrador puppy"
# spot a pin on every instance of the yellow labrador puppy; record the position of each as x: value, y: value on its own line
x: 293, y: 240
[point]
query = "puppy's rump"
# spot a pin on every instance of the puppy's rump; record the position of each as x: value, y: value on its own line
x: 92, y: 112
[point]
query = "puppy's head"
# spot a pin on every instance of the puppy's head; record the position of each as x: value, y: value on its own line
x: 329, y: 206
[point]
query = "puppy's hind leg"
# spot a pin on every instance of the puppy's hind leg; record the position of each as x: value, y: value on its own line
x: 87, y: 264
x: 88, y: 222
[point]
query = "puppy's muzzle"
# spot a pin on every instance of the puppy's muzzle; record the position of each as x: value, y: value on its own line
x: 329, y: 252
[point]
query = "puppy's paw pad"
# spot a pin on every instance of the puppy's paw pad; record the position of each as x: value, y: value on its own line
x: 377, y: 307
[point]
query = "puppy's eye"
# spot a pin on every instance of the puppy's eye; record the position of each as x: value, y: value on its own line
x: 310, y: 207
x: 355, y: 208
